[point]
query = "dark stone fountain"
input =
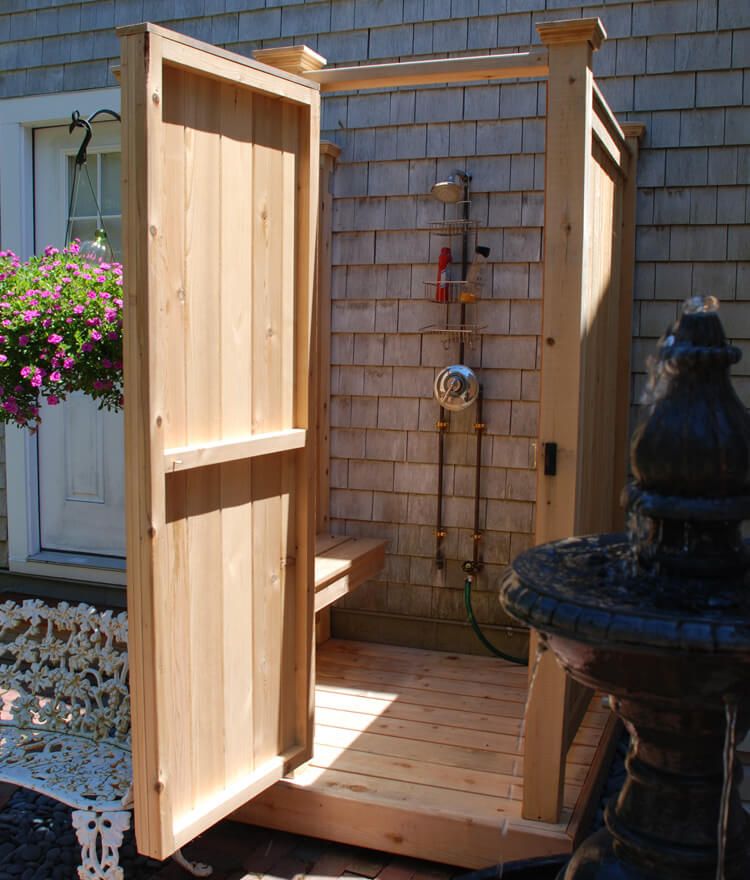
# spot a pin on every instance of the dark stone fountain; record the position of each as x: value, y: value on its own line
x: 660, y: 620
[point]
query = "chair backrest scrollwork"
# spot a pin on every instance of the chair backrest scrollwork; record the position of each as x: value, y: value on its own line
x: 65, y: 668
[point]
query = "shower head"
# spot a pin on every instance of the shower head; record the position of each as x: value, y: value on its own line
x: 453, y: 189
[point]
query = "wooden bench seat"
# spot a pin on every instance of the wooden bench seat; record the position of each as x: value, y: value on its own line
x: 343, y: 563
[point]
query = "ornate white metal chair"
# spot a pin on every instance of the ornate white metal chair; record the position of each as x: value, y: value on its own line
x: 65, y: 721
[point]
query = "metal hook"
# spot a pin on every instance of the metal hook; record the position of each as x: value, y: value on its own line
x: 77, y: 121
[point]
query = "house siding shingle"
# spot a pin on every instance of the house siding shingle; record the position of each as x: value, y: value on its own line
x: 679, y: 66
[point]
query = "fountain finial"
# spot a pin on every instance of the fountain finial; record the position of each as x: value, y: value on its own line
x: 691, y: 457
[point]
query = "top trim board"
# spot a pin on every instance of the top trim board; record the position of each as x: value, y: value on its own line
x: 435, y: 70
x: 181, y: 39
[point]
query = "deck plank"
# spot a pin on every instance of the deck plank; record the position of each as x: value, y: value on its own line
x: 511, y: 709
x: 386, y: 678
x: 411, y: 750
x: 449, y: 666
x: 418, y: 753
x: 406, y: 710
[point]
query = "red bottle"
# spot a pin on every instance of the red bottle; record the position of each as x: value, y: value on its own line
x: 441, y: 293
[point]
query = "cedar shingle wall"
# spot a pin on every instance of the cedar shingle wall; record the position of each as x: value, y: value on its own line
x: 680, y: 66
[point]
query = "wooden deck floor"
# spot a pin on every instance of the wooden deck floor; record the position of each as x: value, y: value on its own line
x: 418, y: 753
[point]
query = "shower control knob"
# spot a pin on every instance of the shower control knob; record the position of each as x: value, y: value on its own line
x: 456, y: 387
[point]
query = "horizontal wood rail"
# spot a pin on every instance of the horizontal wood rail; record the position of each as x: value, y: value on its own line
x: 435, y: 70
x: 186, y: 457
x: 607, y: 130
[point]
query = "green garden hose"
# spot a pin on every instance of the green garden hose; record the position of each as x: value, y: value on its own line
x: 521, y: 661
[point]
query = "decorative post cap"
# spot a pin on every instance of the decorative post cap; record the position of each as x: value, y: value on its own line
x: 570, y: 31
x: 293, y: 59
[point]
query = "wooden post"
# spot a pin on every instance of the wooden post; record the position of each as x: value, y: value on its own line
x: 567, y: 237
x: 328, y: 154
x: 634, y: 132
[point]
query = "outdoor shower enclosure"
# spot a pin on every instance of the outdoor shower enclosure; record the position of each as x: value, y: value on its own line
x: 226, y: 451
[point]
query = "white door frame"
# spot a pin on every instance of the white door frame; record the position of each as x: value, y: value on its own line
x: 18, y: 118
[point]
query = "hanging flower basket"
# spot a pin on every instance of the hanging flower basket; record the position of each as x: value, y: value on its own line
x: 60, y: 332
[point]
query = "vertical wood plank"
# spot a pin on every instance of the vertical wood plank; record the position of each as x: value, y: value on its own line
x: 235, y: 162
x: 328, y: 154
x: 599, y: 313
x: 289, y: 146
x: 176, y: 651
x: 202, y: 250
x: 204, y: 536
x: 267, y: 267
x: 266, y: 563
x: 173, y: 255
x: 634, y: 132
x: 308, y: 176
x: 236, y: 554
x: 236, y: 241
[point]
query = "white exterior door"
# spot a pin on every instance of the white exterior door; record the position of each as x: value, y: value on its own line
x: 80, y: 456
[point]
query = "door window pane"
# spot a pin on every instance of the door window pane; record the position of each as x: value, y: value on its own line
x: 110, y: 167
x: 104, y: 176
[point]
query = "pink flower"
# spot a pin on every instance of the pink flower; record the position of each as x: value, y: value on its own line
x: 78, y: 309
x: 54, y: 338
x: 3, y: 358
x: 55, y: 376
x: 52, y: 400
x: 98, y: 384
x: 10, y: 406
x: 68, y: 363
x: 96, y: 335
x: 36, y: 379
x: 23, y: 340
x: 25, y: 372
x: 87, y: 346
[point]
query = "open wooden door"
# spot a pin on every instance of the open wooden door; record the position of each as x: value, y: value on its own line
x: 220, y: 177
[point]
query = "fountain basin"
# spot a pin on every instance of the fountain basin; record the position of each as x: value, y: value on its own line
x: 613, y: 629
x: 672, y: 659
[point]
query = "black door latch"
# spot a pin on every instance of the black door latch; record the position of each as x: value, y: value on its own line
x: 550, y: 459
